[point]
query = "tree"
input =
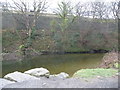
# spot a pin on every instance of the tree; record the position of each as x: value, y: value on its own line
x: 4, y: 6
x: 115, y: 9
x: 81, y: 9
x: 99, y: 10
x: 24, y: 15
x: 66, y: 17
x: 64, y: 12
x: 119, y: 24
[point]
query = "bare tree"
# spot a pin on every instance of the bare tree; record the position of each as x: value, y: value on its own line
x: 82, y: 9
x: 27, y: 15
x: 4, y: 6
x: 100, y: 10
x: 115, y: 9
x: 23, y: 9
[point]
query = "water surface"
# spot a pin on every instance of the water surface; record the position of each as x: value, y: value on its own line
x: 68, y: 63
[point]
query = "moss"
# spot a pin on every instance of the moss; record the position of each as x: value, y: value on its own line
x: 90, y: 73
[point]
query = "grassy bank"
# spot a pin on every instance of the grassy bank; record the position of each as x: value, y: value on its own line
x: 91, y: 73
x: 108, y: 67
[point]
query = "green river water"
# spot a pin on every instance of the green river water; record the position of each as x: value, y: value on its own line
x: 68, y: 63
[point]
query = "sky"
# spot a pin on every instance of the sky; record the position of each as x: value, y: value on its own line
x: 53, y: 3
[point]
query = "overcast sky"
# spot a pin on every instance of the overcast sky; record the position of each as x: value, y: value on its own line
x: 53, y: 3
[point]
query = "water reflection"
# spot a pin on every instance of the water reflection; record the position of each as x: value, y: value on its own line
x: 68, y: 63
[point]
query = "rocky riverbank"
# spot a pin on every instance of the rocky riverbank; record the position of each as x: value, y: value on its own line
x: 41, y: 78
x: 104, y: 77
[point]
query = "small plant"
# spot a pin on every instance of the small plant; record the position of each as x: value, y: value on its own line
x: 22, y: 49
x: 21, y: 46
x: 116, y: 65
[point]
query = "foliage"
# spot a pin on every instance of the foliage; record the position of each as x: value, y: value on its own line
x: 21, y: 46
x: 116, y: 65
x: 10, y: 41
x: 64, y: 12
x: 53, y: 25
x: 90, y: 73
x: 77, y: 41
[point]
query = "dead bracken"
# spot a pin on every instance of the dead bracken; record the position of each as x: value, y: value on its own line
x: 109, y: 60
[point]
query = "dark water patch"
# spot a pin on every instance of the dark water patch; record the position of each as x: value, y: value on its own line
x: 97, y: 51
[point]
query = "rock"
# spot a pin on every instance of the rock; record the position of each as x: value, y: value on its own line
x: 4, y: 82
x: 62, y: 75
x: 38, y: 72
x: 54, y: 77
x: 19, y: 77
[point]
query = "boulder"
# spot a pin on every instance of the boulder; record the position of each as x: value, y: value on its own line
x: 4, y: 82
x: 38, y: 72
x: 61, y: 75
x: 19, y: 77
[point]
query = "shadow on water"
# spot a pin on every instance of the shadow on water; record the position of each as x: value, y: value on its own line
x: 68, y: 63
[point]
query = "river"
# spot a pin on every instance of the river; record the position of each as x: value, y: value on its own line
x: 68, y: 63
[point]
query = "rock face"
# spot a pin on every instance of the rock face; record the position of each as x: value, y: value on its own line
x: 4, y: 82
x: 19, y: 77
x: 38, y: 72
